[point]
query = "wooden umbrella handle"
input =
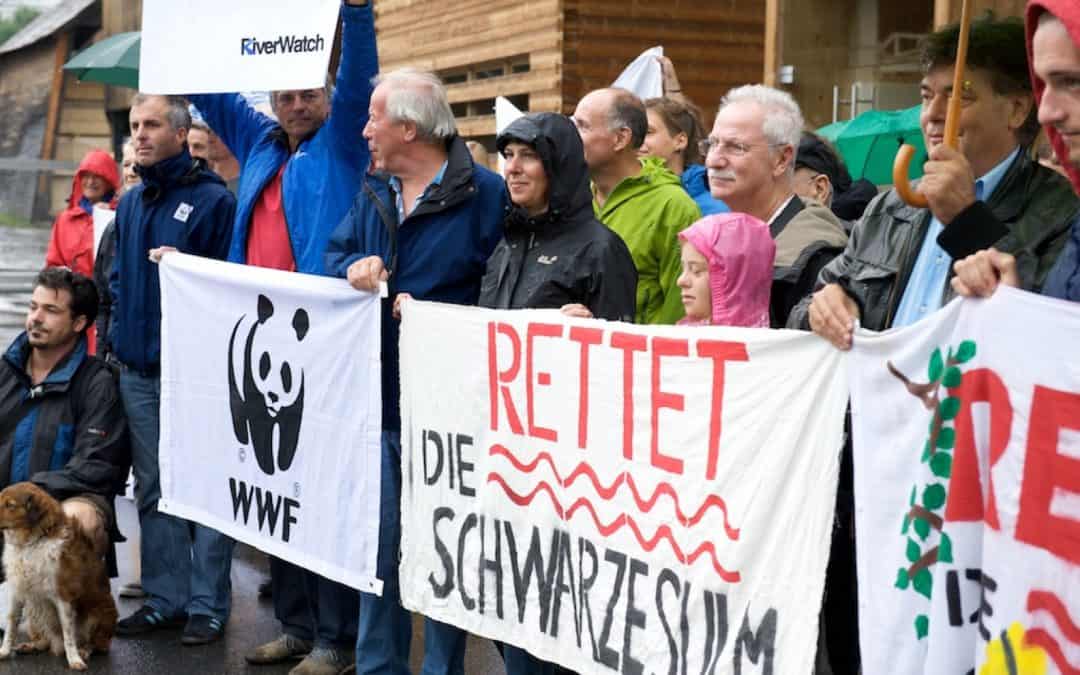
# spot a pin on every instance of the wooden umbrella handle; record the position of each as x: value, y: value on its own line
x: 952, y: 117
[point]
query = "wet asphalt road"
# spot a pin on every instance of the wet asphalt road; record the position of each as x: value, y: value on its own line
x: 22, y: 252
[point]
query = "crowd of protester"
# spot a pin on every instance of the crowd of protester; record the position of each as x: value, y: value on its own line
x: 626, y: 210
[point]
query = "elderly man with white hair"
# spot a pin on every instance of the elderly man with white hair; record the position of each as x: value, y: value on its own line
x: 750, y: 157
x: 425, y: 222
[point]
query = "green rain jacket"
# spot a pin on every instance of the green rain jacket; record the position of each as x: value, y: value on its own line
x: 648, y: 211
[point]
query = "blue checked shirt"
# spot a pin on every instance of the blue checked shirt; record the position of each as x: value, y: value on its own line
x: 395, y: 183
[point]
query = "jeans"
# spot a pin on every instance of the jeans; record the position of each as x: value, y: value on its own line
x: 385, y: 630
x: 313, y: 608
x: 185, y: 566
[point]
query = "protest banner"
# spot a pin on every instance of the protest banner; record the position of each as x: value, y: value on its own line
x: 270, y: 427
x: 966, y: 430
x: 619, y: 498
x: 210, y: 47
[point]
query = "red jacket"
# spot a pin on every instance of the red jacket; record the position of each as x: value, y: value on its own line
x: 72, y: 241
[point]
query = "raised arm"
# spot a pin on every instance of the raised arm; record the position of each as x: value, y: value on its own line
x: 352, y: 93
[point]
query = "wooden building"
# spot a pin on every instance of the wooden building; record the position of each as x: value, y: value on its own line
x: 544, y: 55
x: 842, y: 57
x: 47, y: 114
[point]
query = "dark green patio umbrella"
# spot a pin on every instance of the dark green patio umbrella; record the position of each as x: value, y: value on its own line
x: 114, y: 60
x: 869, y: 142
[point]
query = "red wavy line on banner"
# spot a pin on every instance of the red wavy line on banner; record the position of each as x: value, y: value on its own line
x: 1037, y: 637
x: 663, y: 532
x: 1048, y: 602
x: 644, y: 505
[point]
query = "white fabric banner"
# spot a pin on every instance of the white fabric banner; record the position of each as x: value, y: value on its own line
x: 271, y: 412
x: 643, y: 76
x: 619, y: 498
x: 210, y: 46
x: 966, y: 432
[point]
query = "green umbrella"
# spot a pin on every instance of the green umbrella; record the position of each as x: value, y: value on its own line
x: 869, y: 142
x: 114, y: 60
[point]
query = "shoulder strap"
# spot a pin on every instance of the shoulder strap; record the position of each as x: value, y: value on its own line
x: 390, y: 221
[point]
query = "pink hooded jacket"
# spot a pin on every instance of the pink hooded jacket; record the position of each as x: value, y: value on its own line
x: 740, y: 252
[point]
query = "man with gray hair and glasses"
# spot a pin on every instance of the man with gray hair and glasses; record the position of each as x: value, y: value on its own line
x: 298, y: 176
x: 750, y: 157
x: 638, y: 198
x: 425, y: 222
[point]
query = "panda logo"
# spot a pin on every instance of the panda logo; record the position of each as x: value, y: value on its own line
x: 269, y: 396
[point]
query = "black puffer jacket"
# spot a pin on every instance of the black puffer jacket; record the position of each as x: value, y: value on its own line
x: 564, y: 255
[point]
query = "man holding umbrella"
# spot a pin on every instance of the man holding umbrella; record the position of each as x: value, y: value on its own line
x: 895, y: 269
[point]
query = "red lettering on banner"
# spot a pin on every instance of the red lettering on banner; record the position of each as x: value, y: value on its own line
x: 966, y: 499
x: 1045, y: 469
x: 536, y: 330
x: 720, y: 352
x: 661, y: 399
x: 628, y: 343
x: 586, y: 337
x: 497, y: 379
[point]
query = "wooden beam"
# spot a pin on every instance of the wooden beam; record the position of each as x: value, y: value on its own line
x: 942, y: 13
x: 772, y: 42
x: 52, y: 117
x: 56, y: 94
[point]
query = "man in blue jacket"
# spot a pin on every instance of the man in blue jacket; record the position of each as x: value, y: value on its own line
x: 62, y: 426
x: 298, y: 177
x: 298, y: 174
x: 426, y: 224
x: 179, y: 205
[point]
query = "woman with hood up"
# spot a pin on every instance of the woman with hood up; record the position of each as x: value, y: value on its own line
x: 554, y: 253
x: 72, y: 243
x: 727, y: 263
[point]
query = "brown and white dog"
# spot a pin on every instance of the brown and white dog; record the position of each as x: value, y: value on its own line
x: 53, y: 574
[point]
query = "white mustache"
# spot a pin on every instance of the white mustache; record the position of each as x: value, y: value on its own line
x: 721, y: 174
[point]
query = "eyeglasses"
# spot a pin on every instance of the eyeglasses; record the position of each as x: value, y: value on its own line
x: 730, y: 148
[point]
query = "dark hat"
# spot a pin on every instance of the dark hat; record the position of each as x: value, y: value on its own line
x: 815, y: 154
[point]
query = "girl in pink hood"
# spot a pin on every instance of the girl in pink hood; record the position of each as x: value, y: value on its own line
x: 727, y: 271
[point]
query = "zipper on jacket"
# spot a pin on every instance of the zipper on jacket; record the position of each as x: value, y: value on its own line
x: 894, y: 302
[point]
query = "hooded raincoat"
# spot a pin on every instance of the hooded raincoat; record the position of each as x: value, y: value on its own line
x: 740, y: 251
x: 72, y: 241
x: 565, y: 255
x: 1063, y: 281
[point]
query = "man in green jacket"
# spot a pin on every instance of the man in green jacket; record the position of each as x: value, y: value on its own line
x: 639, y: 199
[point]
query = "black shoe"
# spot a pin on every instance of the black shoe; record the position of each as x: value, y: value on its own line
x: 147, y: 619
x: 202, y: 630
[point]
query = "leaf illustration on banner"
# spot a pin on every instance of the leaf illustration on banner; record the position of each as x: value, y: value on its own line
x: 926, y: 505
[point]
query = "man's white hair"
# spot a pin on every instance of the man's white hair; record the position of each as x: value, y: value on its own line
x: 419, y: 97
x: 783, y: 124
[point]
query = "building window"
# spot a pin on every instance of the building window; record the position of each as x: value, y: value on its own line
x: 457, y: 78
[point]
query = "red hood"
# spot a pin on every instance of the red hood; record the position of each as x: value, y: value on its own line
x: 1068, y: 11
x: 101, y: 163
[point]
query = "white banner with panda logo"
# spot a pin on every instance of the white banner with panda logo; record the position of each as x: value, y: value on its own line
x: 271, y: 412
